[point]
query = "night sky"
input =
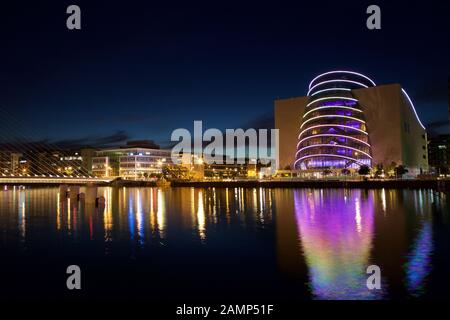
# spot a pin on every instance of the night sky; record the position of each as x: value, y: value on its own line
x: 140, y: 69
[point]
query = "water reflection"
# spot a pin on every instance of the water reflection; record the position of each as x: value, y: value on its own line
x: 201, y: 220
x: 160, y: 213
x: 198, y: 202
x: 108, y: 215
x: 146, y: 213
x: 58, y: 212
x: 340, y: 232
x: 322, y: 238
x: 69, y: 216
x: 22, y: 219
x: 131, y: 218
x: 336, y: 231
x: 419, y: 261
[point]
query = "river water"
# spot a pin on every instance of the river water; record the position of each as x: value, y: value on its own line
x: 169, y: 244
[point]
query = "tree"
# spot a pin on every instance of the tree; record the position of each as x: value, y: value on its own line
x: 400, y: 170
x: 345, y: 172
x: 364, y: 170
x: 326, y: 172
x: 379, y: 170
x: 390, y: 169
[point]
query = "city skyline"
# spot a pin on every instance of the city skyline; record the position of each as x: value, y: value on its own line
x: 142, y: 71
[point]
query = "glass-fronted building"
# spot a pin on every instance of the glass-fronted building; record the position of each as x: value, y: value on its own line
x: 346, y: 121
x: 129, y: 163
x: 333, y: 132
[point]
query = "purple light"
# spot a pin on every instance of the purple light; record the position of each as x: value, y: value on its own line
x: 343, y: 114
x: 341, y: 71
x: 331, y: 106
x: 358, y: 161
x: 339, y: 103
x: 332, y: 135
x: 333, y: 145
x: 330, y: 98
x: 331, y: 89
x: 336, y: 231
x: 336, y: 80
x: 331, y: 116
x: 332, y: 125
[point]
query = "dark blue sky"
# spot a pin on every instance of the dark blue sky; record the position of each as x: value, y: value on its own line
x: 139, y: 69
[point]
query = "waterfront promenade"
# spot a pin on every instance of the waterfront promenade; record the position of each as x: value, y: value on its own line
x: 360, y: 184
x: 244, y: 183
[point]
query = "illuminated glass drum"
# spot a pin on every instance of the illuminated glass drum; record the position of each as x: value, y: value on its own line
x: 333, y: 133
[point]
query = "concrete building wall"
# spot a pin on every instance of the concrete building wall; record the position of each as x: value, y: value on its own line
x: 383, y: 122
x: 394, y: 132
x: 414, y: 138
x: 288, y: 118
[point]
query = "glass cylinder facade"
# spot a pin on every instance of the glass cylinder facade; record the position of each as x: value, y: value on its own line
x: 333, y: 132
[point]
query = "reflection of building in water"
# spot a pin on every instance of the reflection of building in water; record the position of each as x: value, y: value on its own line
x: 403, y: 250
x: 139, y: 217
x: 145, y: 208
x: 107, y: 214
x: 419, y: 261
x: 160, y: 213
x: 197, y: 212
x: 288, y: 248
x: 200, y: 209
x: 22, y: 218
x: 201, y: 217
x: 139, y: 213
x: 336, y: 231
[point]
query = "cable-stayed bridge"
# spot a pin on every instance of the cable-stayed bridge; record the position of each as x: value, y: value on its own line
x: 25, y: 180
x: 25, y: 158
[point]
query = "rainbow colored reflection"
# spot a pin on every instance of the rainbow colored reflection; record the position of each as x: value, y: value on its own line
x: 336, y: 231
